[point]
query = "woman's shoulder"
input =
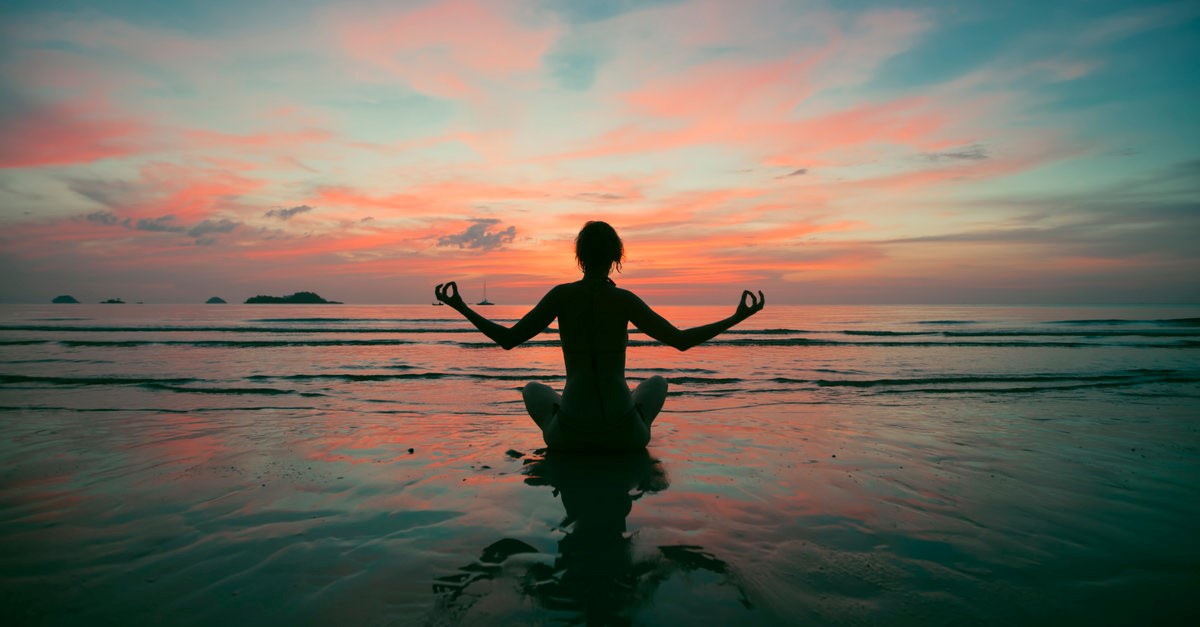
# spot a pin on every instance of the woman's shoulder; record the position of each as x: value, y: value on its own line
x: 582, y: 283
x: 577, y: 287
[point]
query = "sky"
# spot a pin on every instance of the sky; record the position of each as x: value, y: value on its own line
x: 823, y: 152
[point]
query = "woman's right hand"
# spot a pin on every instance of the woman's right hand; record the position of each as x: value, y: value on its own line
x: 448, y: 293
x: 745, y: 310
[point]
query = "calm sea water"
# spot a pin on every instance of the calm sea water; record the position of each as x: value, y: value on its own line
x: 278, y: 464
x: 393, y: 358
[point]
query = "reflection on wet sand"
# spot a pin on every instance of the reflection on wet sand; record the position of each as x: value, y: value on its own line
x: 597, y: 576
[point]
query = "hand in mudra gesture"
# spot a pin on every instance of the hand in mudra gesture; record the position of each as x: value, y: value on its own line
x: 746, y: 309
x: 448, y: 293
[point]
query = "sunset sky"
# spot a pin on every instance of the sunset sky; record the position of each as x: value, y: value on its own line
x: 824, y: 152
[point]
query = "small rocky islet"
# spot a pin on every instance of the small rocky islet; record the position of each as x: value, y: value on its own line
x: 299, y: 298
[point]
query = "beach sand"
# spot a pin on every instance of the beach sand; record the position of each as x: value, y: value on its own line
x: 1043, y: 511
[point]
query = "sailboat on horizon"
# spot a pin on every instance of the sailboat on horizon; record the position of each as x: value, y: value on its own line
x: 485, y: 301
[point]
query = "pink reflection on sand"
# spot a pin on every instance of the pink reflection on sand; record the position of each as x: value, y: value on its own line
x: 182, y: 440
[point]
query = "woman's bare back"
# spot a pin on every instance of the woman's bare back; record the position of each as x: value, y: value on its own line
x: 593, y: 320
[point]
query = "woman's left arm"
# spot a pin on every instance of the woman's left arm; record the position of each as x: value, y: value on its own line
x: 530, y: 325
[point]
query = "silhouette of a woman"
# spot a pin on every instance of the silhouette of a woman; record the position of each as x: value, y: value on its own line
x: 596, y: 410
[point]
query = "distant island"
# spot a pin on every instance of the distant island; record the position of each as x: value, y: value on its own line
x: 65, y: 298
x: 112, y: 301
x: 216, y: 300
x: 299, y: 298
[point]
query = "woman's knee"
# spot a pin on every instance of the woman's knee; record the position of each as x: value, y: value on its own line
x: 653, y: 387
x: 531, y: 386
x: 533, y: 390
x: 649, y: 397
x: 540, y: 402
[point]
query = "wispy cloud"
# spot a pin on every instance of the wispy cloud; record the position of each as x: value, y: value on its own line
x: 600, y: 196
x: 970, y: 153
x: 161, y: 224
x: 287, y: 214
x: 203, y: 232
x: 208, y: 227
x: 107, y: 218
x: 480, y: 235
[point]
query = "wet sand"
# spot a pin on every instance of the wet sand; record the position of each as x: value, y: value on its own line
x: 1047, y: 511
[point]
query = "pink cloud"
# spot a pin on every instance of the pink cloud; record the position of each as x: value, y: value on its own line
x: 445, y: 47
x: 85, y: 130
x: 270, y: 140
x: 68, y: 133
x: 726, y: 88
x: 168, y: 206
x: 755, y: 117
x: 196, y: 194
x: 429, y: 199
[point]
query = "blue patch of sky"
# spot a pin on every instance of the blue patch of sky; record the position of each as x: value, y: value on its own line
x: 1143, y: 94
x: 965, y: 36
x: 584, y: 11
x: 572, y: 70
x: 944, y: 54
x: 385, y: 113
x: 195, y: 17
x: 1161, y: 62
x: 182, y: 15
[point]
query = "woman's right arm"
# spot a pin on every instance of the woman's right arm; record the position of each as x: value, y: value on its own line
x: 659, y: 328
x: 528, y: 326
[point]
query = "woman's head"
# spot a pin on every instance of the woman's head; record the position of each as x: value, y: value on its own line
x: 598, y: 248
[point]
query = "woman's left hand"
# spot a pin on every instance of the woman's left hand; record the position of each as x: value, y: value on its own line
x: 448, y: 293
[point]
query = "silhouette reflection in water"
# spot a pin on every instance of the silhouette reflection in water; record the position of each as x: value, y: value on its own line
x: 597, y: 578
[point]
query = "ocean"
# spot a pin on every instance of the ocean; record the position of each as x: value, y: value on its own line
x: 308, y: 464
